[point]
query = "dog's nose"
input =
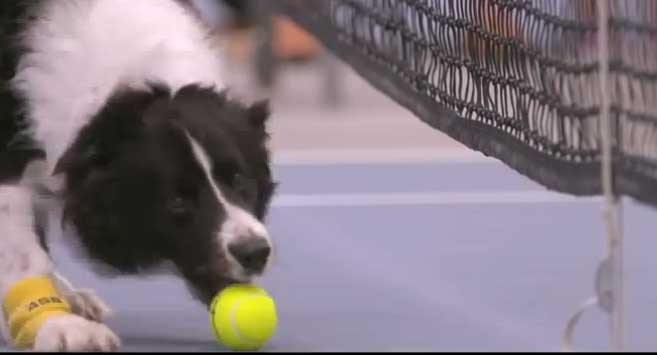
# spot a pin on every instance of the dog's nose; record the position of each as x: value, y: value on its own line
x: 251, y: 253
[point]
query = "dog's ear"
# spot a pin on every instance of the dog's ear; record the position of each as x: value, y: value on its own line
x: 120, y: 120
x: 258, y: 113
x: 72, y: 156
x: 89, y: 154
x: 96, y: 144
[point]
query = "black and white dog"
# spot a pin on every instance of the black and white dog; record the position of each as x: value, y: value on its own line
x: 115, y: 119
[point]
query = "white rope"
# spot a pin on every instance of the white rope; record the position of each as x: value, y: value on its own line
x: 609, y: 278
x: 612, y: 204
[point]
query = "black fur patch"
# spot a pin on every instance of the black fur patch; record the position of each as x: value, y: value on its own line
x: 137, y: 196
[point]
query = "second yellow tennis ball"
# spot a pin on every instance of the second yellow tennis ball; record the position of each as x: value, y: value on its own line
x: 243, y: 317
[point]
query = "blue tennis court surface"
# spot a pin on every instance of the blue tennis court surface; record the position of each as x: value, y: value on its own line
x: 429, y: 256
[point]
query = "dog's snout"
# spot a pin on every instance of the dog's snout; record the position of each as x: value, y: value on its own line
x: 251, y: 253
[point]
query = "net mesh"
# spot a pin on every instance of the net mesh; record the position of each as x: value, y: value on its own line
x: 515, y: 79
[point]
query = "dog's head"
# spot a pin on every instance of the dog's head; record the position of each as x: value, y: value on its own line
x: 181, y: 177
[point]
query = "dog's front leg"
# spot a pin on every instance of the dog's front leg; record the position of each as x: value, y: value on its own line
x: 34, y: 316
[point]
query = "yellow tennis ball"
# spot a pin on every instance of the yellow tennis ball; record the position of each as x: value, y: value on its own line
x: 243, y: 317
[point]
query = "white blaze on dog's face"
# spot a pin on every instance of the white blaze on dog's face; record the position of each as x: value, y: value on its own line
x: 241, y: 236
x: 179, y: 177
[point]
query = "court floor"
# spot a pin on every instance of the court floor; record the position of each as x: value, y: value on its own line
x: 416, y: 256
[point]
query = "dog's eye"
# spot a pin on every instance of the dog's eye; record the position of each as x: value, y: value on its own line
x: 225, y: 172
x: 228, y: 173
x: 245, y: 187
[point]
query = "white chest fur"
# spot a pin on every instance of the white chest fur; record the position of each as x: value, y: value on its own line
x: 81, y: 50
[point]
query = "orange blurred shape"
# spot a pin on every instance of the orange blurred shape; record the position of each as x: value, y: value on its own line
x: 292, y: 42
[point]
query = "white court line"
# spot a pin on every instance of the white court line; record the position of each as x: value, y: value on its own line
x: 428, y: 198
x: 378, y: 156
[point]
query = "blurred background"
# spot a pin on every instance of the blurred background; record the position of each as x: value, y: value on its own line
x: 319, y: 105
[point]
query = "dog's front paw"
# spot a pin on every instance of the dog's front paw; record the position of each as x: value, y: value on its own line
x: 72, y: 333
x: 86, y: 304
